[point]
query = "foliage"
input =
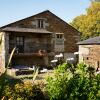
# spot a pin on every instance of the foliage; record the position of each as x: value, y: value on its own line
x: 89, y: 23
x: 95, y: 0
x: 26, y: 91
x: 3, y: 78
x: 61, y: 68
x: 18, y: 92
x: 83, y: 84
x: 35, y: 74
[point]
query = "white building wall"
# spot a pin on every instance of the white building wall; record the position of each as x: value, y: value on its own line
x: 83, y: 51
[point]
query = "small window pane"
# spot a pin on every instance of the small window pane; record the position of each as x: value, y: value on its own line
x: 59, y: 36
x: 19, y: 40
x: 40, y: 23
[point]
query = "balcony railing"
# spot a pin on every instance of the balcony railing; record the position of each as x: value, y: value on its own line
x: 33, y: 48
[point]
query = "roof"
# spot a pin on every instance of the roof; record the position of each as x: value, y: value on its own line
x: 95, y: 40
x: 25, y: 30
x: 38, y: 14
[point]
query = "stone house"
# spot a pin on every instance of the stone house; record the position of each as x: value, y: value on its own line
x: 37, y: 40
x: 89, y: 51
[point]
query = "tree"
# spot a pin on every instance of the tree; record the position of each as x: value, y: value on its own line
x: 89, y: 23
x: 95, y: 0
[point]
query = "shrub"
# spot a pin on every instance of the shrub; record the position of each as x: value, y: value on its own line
x: 26, y: 91
x: 3, y: 77
x: 81, y: 83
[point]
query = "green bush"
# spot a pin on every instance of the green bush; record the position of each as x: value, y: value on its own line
x: 3, y: 77
x: 26, y: 91
x: 81, y: 83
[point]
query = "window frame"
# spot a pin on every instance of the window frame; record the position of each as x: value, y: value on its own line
x: 40, y: 23
x: 20, y: 40
x: 20, y: 44
x: 59, y: 36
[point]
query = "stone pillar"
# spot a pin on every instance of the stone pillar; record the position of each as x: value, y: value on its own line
x: 3, y: 52
x: 6, y: 47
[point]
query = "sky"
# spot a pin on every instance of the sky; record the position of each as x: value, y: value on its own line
x: 13, y: 10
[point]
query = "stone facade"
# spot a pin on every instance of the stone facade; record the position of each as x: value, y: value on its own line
x: 49, y: 22
x: 53, y: 24
x: 2, y: 51
x: 90, y: 55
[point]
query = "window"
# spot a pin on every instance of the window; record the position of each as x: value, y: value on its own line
x: 41, y: 23
x: 20, y: 44
x: 98, y: 64
x: 59, y: 39
x: 59, y: 36
x: 20, y: 40
x: 87, y: 58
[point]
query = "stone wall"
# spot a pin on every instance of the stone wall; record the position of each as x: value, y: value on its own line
x: 83, y: 51
x: 56, y: 25
x: 2, y: 51
x: 90, y: 54
x: 53, y: 24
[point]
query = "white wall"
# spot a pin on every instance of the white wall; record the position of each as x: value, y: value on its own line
x: 83, y: 51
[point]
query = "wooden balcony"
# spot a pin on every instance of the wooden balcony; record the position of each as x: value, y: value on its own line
x: 33, y: 50
x: 30, y: 54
